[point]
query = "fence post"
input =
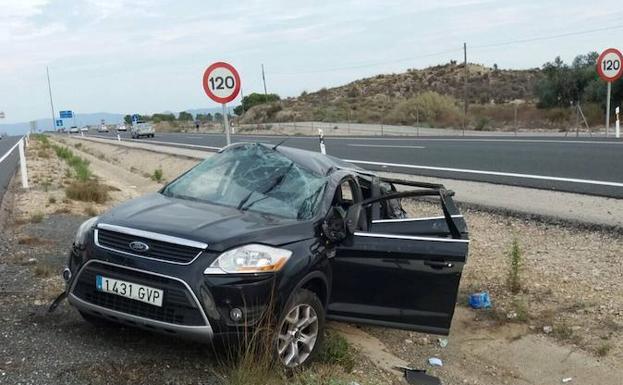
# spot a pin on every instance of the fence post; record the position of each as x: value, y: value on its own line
x: 323, y: 150
x: 22, y: 164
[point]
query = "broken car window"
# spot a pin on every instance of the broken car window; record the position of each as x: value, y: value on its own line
x: 252, y: 177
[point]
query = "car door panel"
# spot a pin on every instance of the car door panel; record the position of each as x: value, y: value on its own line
x: 400, y: 273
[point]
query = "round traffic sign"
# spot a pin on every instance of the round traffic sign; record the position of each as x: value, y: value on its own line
x: 221, y: 82
x: 610, y: 65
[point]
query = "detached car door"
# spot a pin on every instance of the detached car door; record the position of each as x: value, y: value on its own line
x: 401, y: 273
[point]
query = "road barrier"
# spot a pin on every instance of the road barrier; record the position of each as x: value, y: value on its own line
x: 22, y: 160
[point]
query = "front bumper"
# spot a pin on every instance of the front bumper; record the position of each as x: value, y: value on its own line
x: 181, y: 314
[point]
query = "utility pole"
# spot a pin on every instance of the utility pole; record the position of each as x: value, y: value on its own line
x: 465, y: 86
x: 264, y: 80
x: 47, y: 70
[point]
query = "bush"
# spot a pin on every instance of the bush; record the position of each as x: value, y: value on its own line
x: 431, y: 107
x: 515, y: 262
x: 157, y: 175
x: 87, y: 191
x: 36, y: 217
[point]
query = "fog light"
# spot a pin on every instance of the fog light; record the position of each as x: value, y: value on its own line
x: 235, y: 314
x: 66, y: 274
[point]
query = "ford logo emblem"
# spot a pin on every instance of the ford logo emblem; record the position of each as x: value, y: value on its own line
x: 139, y: 246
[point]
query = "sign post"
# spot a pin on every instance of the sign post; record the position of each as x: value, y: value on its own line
x: 609, y: 68
x: 221, y: 82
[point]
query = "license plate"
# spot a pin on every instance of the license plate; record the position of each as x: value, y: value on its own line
x: 130, y: 290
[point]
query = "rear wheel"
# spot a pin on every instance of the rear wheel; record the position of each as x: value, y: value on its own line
x: 300, y: 330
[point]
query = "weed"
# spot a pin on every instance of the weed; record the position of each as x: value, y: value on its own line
x: 87, y: 191
x: 52, y: 200
x: 514, y: 271
x: 46, y: 185
x: 563, y: 332
x: 90, y: 211
x: 336, y: 350
x: 43, y: 154
x: 44, y: 270
x: 157, y: 175
x: 603, y: 349
x: 31, y: 241
x: 63, y: 210
x: 36, y: 217
x: 78, y: 145
x: 521, y: 310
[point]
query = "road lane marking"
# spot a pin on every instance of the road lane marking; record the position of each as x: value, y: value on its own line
x: 10, y: 151
x: 496, y: 173
x: 383, y: 145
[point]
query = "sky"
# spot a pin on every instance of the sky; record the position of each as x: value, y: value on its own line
x: 147, y: 56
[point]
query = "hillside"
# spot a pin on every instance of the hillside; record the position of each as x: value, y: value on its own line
x: 433, y: 94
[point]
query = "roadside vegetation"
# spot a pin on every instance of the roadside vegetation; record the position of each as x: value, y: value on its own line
x: 83, y: 185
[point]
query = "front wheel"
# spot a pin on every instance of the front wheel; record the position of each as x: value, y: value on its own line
x: 300, y: 330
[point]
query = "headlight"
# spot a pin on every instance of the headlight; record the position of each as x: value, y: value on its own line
x: 83, y: 231
x: 249, y: 259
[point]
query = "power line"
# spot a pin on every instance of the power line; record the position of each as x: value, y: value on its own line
x: 456, y: 50
x: 364, y: 65
x: 550, y: 37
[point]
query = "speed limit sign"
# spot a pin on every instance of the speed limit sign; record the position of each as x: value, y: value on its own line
x: 610, y: 65
x: 609, y: 68
x: 221, y: 82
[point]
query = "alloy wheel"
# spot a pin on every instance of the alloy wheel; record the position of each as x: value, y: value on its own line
x: 297, y: 335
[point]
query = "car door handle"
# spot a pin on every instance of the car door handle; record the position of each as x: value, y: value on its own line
x: 438, y: 264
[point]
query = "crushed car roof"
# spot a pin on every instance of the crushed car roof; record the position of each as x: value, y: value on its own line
x: 314, y: 161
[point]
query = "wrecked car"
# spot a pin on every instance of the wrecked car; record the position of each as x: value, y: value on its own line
x: 257, y: 229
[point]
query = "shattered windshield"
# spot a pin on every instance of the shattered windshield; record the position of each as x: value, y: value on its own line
x: 252, y: 177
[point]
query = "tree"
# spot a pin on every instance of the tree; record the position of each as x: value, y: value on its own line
x: 127, y: 119
x: 255, y: 99
x: 185, y: 116
x: 218, y: 117
x: 563, y: 85
x: 156, y: 118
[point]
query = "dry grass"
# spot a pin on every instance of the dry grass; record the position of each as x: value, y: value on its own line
x: 32, y: 241
x: 44, y: 270
x: 36, y: 217
x: 89, y: 191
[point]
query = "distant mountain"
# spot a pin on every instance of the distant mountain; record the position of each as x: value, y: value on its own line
x: 90, y: 119
x: 46, y: 124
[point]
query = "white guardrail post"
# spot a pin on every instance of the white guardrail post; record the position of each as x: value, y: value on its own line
x: 22, y: 163
x: 323, y: 150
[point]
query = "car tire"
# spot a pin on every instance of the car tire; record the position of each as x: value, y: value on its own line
x: 98, y: 322
x: 300, y: 330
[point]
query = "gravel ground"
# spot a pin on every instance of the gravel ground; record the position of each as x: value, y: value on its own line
x: 566, y: 321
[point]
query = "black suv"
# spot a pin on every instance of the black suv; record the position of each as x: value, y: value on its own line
x: 257, y: 228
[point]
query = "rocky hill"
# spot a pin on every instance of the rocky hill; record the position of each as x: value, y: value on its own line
x: 434, y: 93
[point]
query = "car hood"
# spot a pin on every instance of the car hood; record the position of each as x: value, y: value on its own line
x: 219, y: 226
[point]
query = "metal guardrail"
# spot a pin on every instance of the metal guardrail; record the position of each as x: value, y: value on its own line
x: 8, y: 165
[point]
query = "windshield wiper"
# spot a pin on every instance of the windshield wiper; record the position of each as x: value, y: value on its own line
x: 277, y: 182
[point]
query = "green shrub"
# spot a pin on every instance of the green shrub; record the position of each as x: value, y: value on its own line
x: 157, y: 175
x: 514, y: 270
x: 431, y: 107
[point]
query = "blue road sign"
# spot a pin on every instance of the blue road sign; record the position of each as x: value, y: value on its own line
x: 135, y: 118
x: 59, y: 123
x: 66, y: 114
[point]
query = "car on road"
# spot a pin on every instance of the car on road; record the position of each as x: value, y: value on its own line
x: 102, y: 128
x: 122, y: 127
x: 142, y: 129
x: 262, y: 232
x: 84, y: 129
x: 74, y: 130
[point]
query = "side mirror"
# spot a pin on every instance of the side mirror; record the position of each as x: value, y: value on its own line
x: 334, y: 225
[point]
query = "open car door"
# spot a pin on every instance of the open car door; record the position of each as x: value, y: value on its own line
x: 399, y: 272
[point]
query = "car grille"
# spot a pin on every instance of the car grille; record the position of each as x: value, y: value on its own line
x: 169, y: 252
x: 178, y: 305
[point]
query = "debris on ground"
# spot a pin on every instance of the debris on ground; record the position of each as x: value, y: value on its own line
x: 480, y: 300
x: 434, y: 361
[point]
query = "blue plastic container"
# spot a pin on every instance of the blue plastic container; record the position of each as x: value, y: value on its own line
x: 480, y: 300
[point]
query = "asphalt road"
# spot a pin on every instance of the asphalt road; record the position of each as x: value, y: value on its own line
x: 587, y: 165
x: 8, y: 164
